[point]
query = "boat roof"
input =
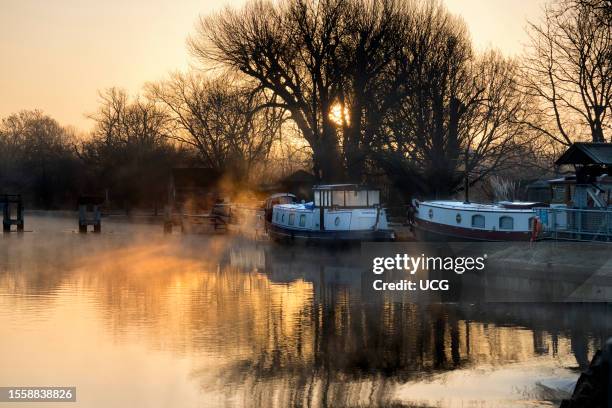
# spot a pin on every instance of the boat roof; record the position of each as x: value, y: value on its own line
x: 350, y: 187
x: 296, y: 206
x: 512, y: 206
x: 277, y: 195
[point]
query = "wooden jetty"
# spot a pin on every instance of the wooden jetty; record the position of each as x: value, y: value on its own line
x: 12, y: 212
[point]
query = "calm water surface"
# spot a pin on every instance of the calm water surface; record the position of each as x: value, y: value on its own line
x: 137, y: 319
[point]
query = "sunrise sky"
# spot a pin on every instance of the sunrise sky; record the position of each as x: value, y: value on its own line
x: 56, y: 55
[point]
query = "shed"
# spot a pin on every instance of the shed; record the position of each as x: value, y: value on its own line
x: 592, y: 160
x: 586, y: 154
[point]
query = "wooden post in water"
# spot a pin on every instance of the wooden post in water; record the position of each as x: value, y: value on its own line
x: 89, y: 213
x: 9, y: 203
x: 168, y: 219
x: 168, y: 209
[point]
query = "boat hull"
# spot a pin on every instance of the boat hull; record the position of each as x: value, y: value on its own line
x: 281, y: 234
x: 431, y: 231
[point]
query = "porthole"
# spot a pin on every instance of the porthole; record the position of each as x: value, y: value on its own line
x: 337, y: 221
x: 458, y: 218
x: 430, y: 213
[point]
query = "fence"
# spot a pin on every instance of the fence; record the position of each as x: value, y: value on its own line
x: 576, y: 224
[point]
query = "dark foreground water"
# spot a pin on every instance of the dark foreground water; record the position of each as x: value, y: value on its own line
x: 133, y: 318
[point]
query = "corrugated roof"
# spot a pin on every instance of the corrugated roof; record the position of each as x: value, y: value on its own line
x: 587, y: 153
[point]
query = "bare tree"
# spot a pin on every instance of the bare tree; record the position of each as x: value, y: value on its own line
x: 136, y: 122
x: 373, y: 65
x: 461, y: 116
x: 291, y: 49
x: 231, y: 127
x: 128, y: 151
x: 37, y: 159
x: 569, y: 70
x: 391, y: 85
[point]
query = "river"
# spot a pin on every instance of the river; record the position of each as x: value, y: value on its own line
x: 134, y: 318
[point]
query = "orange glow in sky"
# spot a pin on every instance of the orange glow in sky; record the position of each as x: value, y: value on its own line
x: 57, y: 54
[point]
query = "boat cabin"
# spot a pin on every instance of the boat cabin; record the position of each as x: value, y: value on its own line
x: 275, y: 199
x: 345, y: 196
x: 352, y: 209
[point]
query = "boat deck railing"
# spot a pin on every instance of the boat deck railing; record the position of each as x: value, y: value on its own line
x: 576, y: 224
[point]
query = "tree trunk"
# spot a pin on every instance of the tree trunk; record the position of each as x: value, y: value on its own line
x: 327, y: 161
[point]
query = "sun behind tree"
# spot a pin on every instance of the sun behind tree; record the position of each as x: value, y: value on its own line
x: 338, y: 115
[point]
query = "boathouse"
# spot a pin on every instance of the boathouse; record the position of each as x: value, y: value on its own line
x: 581, y: 206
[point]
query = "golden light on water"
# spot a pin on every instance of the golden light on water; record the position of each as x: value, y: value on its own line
x: 133, y: 317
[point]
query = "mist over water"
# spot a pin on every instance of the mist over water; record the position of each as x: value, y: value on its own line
x: 135, y: 318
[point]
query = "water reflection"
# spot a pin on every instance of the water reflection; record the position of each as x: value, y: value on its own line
x: 233, y: 322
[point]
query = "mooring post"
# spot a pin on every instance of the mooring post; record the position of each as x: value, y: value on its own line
x: 97, y: 219
x: 90, y: 213
x: 168, y: 219
x: 6, y: 226
x: 19, y: 214
x: 10, y: 202
x: 82, y: 223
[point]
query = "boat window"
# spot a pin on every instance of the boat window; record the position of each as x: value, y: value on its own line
x: 373, y: 197
x: 283, y: 218
x: 506, y: 223
x: 430, y: 213
x: 291, y: 218
x: 338, y: 197
x: 317, y: 198
x: 478, y: 221
x: 302, y: 220
x: 337, y: 221
x: 357, y: 198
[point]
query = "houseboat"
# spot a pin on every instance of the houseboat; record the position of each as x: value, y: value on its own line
x: 578, y: 207
x: 464, y: 221
x: 339, y: 212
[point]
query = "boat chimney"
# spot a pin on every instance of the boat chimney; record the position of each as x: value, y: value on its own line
x: 466, y: 189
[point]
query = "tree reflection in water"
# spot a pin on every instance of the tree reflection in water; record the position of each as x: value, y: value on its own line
x: 280, y: 326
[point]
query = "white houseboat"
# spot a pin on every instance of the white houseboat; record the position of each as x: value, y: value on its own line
x: 339, y: 212
x: 579, y: 207
x: 459, y: 221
